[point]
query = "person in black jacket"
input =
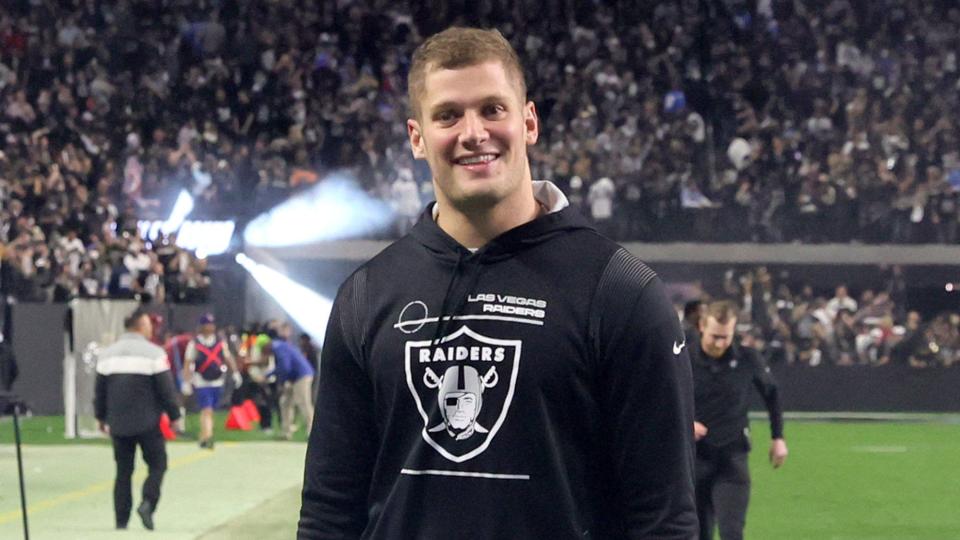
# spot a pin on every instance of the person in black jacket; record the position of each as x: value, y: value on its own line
x: 723, y: 373
x: 133, y: 387
x: 503, y: 371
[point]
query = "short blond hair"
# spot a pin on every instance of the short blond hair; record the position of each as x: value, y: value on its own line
x: 722, y: 311
x: 458, y: 47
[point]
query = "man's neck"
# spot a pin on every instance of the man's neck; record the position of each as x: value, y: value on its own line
x: 474, y: 229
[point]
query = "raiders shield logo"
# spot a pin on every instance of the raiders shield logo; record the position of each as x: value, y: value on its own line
x: 463, y: 387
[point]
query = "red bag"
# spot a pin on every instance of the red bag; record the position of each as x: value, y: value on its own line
x: 250, y: 408
x: 165, y: 428
x: 238, y: 419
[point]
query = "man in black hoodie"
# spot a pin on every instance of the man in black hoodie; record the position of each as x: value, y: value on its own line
x: 503, y: 371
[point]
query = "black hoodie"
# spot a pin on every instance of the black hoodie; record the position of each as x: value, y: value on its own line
x: 557, y: 404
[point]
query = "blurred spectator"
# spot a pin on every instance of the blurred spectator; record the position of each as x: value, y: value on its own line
x: 311, y: 351
x: 601, y: 201
x: 294, y: 376
x: 781, y: 121
x: 841, y: 301
x: 798, y: 329
x: 405, y: 200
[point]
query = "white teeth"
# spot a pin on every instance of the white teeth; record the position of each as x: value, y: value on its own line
x: 484, y: 158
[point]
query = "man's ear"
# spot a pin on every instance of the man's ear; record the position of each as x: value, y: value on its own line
x: 416, y: 139
x: 531, y: 122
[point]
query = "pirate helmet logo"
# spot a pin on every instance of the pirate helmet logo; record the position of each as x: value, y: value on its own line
x: 460, y: 396
x: 462, y: 385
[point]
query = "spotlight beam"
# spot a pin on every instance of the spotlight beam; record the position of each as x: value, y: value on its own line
x: 309, y: 310
x: 335, y: 208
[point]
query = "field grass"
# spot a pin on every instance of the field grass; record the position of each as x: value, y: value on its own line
x: 842, y: 481
x: 858, y: 481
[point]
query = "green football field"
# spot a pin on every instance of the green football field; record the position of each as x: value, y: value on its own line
x: 858, y: 481
x: 842, y: 481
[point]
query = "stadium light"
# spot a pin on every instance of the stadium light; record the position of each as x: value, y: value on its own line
x: 204, y: 237
x: 307, y: 308
x: 181, y: 209
x: 334, y: 208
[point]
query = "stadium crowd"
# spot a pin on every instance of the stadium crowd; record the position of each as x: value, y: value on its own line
x: 794, y: 324
x: 727, y: 120
x: 717, y: 121
x: 59, y: 246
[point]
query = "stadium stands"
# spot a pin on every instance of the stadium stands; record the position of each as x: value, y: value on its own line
x: 774, y: 121
x: 782, y: 122
x: 793, y: 324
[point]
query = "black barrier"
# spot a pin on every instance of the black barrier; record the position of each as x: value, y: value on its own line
x: 890, y: 388
x: 37, y: 336
x: 37, y: 332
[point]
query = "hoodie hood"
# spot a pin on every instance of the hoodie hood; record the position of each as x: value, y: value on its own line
x: 559, y: 217
x: 467, y: 266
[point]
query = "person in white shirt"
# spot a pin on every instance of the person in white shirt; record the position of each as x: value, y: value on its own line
x: 405, y: 199
x: 841, y: 300
x: 600, y: 198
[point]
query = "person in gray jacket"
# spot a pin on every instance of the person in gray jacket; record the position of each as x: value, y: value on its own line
x: 134, y: 386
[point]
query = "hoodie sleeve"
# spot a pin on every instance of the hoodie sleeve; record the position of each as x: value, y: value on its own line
x: 765, y: 383
x: 340, y: 452
x: 646, y: 402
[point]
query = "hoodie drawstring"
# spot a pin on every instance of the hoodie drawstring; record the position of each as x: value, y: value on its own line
x: 441, y: 323
x: 446, y: 313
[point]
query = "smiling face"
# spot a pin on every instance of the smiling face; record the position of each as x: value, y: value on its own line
x: 473, y: 129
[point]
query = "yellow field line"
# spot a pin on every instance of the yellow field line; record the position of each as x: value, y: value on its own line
x: 100, y: 487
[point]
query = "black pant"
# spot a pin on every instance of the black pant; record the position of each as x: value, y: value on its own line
x: 723, y: 492
x: 264, y: 396
x: 154, y: 452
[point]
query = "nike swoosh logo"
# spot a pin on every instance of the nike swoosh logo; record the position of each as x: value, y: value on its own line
x: 677, y: 348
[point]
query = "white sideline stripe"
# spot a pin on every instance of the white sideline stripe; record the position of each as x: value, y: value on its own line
x: 880, y: 449
x: 470, y: 318
x: 937, y: 418
x: 435, y: 472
